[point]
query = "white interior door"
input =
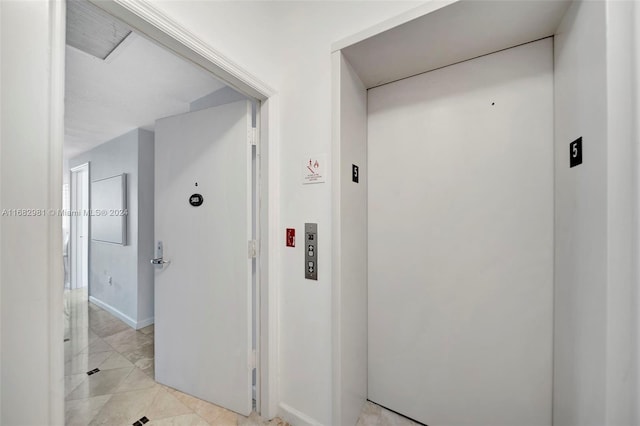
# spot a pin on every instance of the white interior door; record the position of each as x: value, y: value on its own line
x: 79, y: 239
x: 461, y: 241
x: 203, y: 296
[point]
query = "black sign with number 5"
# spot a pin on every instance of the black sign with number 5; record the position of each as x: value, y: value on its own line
x: 575, y: 152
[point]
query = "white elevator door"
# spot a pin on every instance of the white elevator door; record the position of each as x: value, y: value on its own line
x: 203, y: 296
x: 461, y: 241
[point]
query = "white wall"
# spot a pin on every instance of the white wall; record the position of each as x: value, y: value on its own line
x: 580, y: 240
x: 595, y: 356
x: 288, y: 45
x: 622, y: 281
x: 350, y: 237
x: 223, y: 96
x: 31, y: 251
x: 128, y: 266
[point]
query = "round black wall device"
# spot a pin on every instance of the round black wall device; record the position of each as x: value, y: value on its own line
x: 196, y: 200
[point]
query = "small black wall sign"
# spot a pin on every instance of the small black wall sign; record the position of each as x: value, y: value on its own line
x: 355, y: 173
x: 196, y: 200
x: 575, y: 152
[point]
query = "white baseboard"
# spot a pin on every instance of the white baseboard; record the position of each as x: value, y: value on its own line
x: 295, y: 417
x: 125, y: 318
x: 145, y: 323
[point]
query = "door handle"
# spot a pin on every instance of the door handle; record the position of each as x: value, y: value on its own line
x: 160, y: 253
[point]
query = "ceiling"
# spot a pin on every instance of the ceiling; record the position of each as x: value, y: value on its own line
x: 92, y: 30
x: 447, y: 33
x: 135, y: 85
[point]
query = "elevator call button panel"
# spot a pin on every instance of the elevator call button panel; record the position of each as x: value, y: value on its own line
x: 311, y: 251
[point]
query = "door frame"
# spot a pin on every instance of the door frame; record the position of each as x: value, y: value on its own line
x: 149, y: 21
x: 349, y: 147
x: 76, y: 213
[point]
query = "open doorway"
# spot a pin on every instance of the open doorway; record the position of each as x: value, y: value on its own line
x: 114, y: 99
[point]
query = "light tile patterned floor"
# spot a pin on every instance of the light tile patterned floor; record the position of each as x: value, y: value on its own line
x: 124, y: 391
x: 375, y: 415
